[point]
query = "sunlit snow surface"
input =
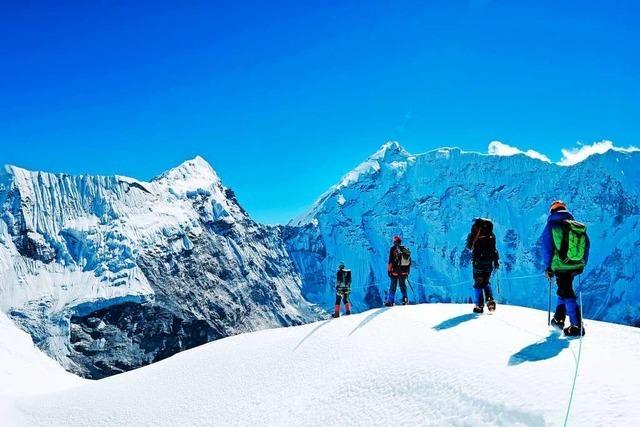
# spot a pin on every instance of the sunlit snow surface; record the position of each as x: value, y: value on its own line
x: 430, y: 364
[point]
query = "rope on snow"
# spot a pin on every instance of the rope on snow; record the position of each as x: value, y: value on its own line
x: 575, y: 375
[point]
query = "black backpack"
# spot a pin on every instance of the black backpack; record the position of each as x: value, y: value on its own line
x: 344, y: 278
x: 482, y: 241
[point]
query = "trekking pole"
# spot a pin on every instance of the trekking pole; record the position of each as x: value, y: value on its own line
x: 549, y: 304
x: 412, y: 291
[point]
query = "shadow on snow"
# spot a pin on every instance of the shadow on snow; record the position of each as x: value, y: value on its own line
x: 541, y: 350
x: 369, y: 318
x: 313, y: 331
x: 455, y: 321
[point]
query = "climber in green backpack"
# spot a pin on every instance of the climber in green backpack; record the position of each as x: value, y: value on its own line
x: 565, y: 252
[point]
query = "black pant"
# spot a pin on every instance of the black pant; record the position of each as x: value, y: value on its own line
x: 565, y: 285
x: 481, y: 278
x: 342, y: 296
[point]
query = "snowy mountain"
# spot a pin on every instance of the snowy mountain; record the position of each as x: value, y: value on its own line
x: 431, y: 199
x: 111, y: 273
x: 432, y: 364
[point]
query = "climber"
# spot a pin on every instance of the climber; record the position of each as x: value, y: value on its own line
x: 343, y: 289
x: 481, y: 241
x: 565, y: 252
x: 398, y: 268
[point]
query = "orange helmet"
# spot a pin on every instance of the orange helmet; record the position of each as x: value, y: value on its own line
x: 397, y: 239
x: 558, y: 205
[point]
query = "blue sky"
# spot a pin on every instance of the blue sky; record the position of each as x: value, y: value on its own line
x: 282, y: 98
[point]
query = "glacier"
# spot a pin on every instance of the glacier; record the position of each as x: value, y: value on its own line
x: 110, y: 273
x: 430, y: 199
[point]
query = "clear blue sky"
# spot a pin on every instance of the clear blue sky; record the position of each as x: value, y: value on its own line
x: 283, y: 98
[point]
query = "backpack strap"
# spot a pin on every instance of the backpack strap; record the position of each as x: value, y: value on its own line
x: 397, y: 254
x: 564, y: 245
x: 475, y: 239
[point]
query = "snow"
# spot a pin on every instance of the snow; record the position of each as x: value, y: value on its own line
x: 497, y: 148
x: 573, y: 156
x: 25, y: 370
x: 430, y: 364
x: 570, y: 156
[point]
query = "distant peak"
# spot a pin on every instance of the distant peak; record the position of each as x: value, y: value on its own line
x: 389, y: 155
x: 196, y: 168
x: 390, y: 149
x: 196, y: 164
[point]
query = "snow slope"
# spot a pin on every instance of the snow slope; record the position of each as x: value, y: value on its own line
x: 430, y: 200
x: 429, y: 364
x: 24, y: 369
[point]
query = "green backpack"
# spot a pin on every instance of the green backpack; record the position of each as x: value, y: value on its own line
x: 570, y: 244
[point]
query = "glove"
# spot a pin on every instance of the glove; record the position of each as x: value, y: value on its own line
x: 549, y: 273
x: 496, y: 264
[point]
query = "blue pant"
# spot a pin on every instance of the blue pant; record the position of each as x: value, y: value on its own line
x: 481, y: 286
x: 480, y: 293
x: 567, y: 304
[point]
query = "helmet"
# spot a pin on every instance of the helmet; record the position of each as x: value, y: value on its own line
x: 341, y: 265
x: 556, y: 206
x: 397, y: 239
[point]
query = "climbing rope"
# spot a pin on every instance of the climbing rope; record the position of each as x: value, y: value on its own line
x: 448, y: 285
x: 576, y: 358
x: 575, y: 375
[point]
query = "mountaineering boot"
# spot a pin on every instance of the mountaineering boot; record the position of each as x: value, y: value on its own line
x: 557, y: 321
x: 478, y: 309
x: 336, y: 312
x: 405, y: 300
x: 573, y: 331
x: 347, y: 308
x: 491, y: 305
x: 576, y: 322
x: 558, y: 324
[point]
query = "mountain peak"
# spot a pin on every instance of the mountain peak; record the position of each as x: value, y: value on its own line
x: 196, y: 170
x: 389, y: 154
x: 391, y: 150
